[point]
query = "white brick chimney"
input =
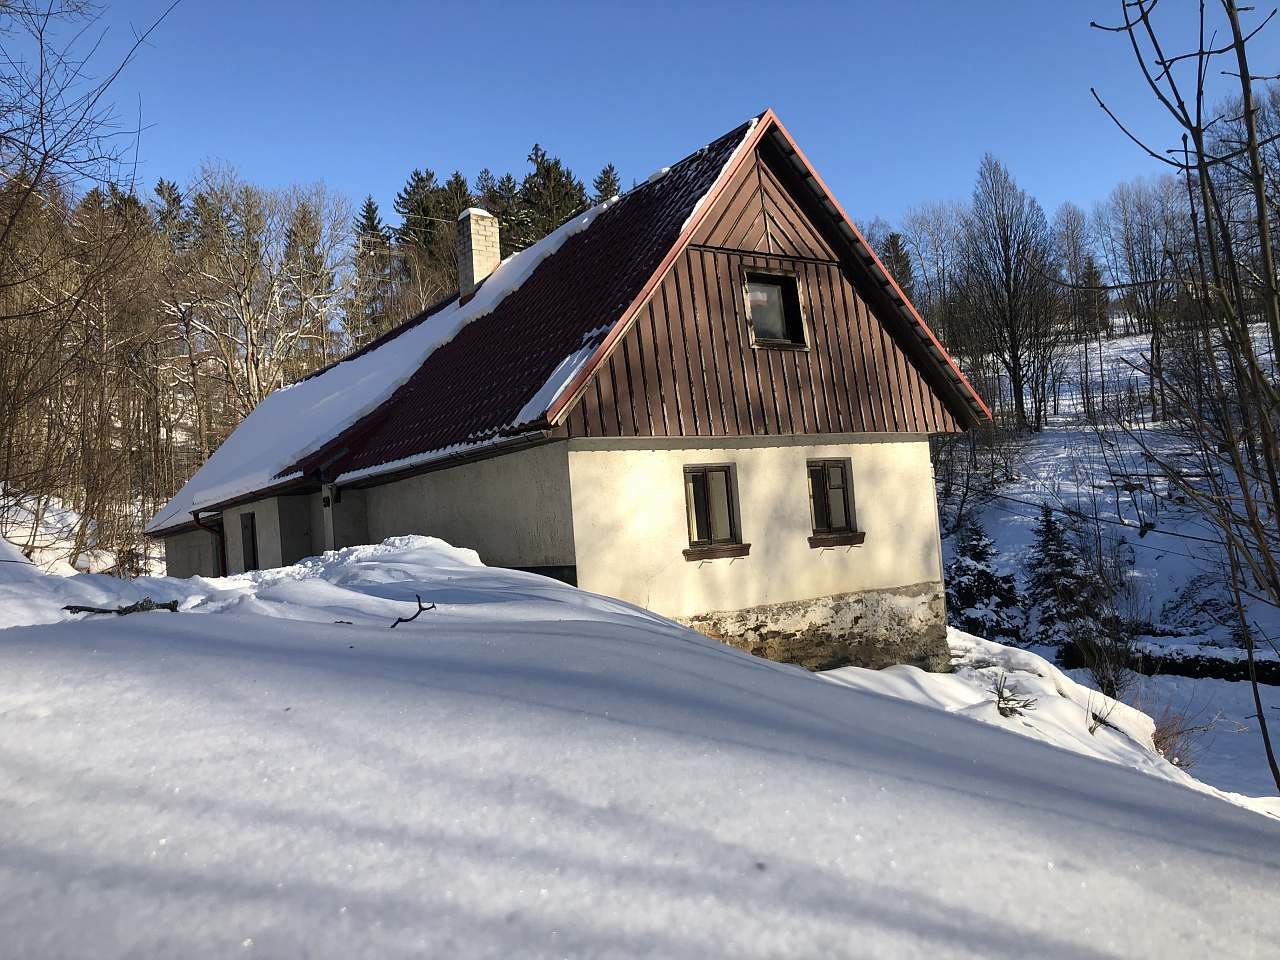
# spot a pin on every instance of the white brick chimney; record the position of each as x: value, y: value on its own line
x: 477, y: 249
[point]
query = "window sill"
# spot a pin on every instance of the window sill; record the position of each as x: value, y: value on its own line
x: 850, y: 539
x: 778, y: 345
x: 717, y: 551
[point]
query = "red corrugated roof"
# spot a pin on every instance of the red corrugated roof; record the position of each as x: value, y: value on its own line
x: 475, y: 387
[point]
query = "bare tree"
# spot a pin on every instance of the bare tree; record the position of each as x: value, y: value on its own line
x: 1230, y: 414
x: 60, y: 259
x: 1007, y: 283
x: 262, y: 284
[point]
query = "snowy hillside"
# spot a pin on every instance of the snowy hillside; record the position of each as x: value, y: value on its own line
x: 46, y: 530
x: 1071, y: 465
x: 1175, y: 586
x: 528, y: 770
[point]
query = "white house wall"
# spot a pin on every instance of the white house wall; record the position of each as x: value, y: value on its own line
x: 630, y: 529
x: 192, y: 553
x: 514, y: 510
x: 266, y: 519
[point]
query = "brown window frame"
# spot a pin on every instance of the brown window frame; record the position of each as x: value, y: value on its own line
x: 828, y: 535
x: 792, y: 305
x: 712, y: 548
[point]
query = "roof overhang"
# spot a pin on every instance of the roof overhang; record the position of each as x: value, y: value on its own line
x: 294, y: 487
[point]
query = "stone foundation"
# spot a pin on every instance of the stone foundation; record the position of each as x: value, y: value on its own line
x: 873, y: 628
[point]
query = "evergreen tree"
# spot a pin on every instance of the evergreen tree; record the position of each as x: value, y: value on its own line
x: 365, y: 313
x: 308, y: 286
x: 368, y: 224
x: 1053, y: 574
x: 1097, y: 308
x: 1068, y: 599
x: 502, y: 199
x: 898, y: 262
x: 486, y: 186
x: 550, y: 195
x: 455, y: 196
x: 123, y: 203
x: 980, y: 600
x: 171, y: 215
x: 606, y: 184
x: 417, y: 204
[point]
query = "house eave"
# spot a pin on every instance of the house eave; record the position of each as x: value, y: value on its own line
x: 443, y: 460
x: 296, y: 485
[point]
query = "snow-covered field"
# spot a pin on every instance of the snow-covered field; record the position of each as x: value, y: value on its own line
x: 529, y: 770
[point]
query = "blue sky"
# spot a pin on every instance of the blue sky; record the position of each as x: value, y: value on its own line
x: 894, y: 103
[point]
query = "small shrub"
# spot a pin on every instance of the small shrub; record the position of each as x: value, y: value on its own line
x: 1106, y: 651
x: 1178, y: 736
x: 1100, y: 716
x: 1008, y: 702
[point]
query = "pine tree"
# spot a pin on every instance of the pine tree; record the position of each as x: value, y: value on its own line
x: 454, y: 197
x: 550, y: 195
x: 898, y: 262
x: 171, y: 214
x: 365, y: 314
x: 486, y: 186
x: 1053, y: 574
x: 417, y: 204
x: 980, y: 600
x: 606, y: 184
x: 1097, y: 310
x: 503, y: 200
x: 309, y: 285
x: 1068, y: 599
x: 369, y: 224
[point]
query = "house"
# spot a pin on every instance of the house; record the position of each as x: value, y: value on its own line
x: 706, y: 397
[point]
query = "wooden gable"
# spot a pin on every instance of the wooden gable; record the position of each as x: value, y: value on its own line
x: 758, y: 214
x: 685, y: 365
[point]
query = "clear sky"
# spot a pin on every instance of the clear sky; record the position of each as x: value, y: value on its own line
x: 894, y: 102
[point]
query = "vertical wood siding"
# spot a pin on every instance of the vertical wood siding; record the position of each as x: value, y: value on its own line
x: 686, y: 366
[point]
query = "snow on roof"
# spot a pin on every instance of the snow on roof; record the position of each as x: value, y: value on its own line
x: 475, y: 212
x: 265, y: 450
x: 296, y: 420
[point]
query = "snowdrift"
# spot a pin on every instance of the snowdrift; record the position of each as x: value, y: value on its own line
x: 531, y: 770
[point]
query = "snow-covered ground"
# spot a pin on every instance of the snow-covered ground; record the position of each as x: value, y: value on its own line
x: 1176, y: 575
x: 529, y: 770
x: 1062, y: 710
x: 48, y: 533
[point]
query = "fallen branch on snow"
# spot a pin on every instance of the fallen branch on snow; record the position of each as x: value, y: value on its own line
x: 400, y: 620
x: 142, y: 606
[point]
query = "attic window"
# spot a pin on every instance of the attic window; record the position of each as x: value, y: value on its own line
x: 773, y: 303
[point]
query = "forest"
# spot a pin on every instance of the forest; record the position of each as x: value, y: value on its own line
x: 139, y: 323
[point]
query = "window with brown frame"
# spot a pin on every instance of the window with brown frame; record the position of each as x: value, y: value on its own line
x: 773, y: 303
x: 711, y: 512
x: 831, y: 505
